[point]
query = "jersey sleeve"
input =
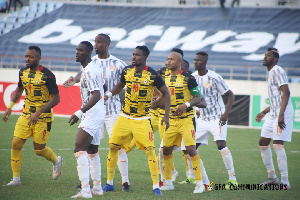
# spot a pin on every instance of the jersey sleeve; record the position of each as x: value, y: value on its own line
x: 158, y: 81
x: 93, y: 80
x: 193, y: 86
x: 281, y: 77
x: 20, y: 84
x: 51, y: 84
x: 120, y: 66
x: 221, y: 85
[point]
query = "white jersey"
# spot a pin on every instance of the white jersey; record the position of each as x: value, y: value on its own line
x: 91, y: 80
x: 277, y: 78
x: 112, y: 68
x: 212, y: 86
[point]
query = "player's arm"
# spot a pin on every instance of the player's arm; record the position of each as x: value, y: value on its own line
x: 96, y: 96
x: 14, y: 99
x: 33, y: 118
x: 116, y: 90
x: 166, y: 98
x: 224, y: 117
x: 284, y: 101
x: 193, y: 102
x: 72, y: 80
x: 262, y: 114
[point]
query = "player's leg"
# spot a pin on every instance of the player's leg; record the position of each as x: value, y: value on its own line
x: 266, y: 153
x: 189, y: 137
x: 21, y: 133
x: 41, y: 133
x: 279, y: 137
x: 144, y: 137
x: 94, y: 158
x: 121, y: 135
x: 122, y: 155
x: 83, y: 141
x: 95, y: 169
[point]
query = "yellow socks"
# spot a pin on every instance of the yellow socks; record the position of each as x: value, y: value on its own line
x: 168, y: 165
x: 196, y: 163
x: 152, y: 162
x: 47, y: 153
x: 112, y: 160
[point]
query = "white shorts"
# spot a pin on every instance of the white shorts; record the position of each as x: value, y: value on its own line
x: 205, y: 128
x: 271, y: 129
x: 109, y: 123
x: 93, y: 126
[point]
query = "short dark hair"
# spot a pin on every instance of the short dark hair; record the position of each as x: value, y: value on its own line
x: 187, y: 63
x: 107, y: 38
x: 88, y: 45
x: 274, y: 51
x: 144, y: 49
x: 178, y: 51
x: 202, y: 53
x: 36, y: 48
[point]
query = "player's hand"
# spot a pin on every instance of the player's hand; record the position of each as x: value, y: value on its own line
x: 259, y: 116
x: 223, y: 119
x: 166, y: 121
x: 198, y: 113
x: 105, y: 98
x: 70, y: 82
x: 281, y: 123
x: 180, y: 110
x: 73, y: 119
x: 33, y: 118
x: 6, y: 114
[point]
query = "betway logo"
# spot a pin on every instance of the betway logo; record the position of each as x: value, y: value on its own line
x: 169, y: 37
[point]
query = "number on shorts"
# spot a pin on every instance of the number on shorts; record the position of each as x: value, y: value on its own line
x: 193, y: 134
x: 151, y: 136
x: 279, y: 130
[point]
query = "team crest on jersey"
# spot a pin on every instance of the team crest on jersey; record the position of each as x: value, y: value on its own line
x: 112, y: 68
x: 145, y: 81
x: 278, y: 71
x: 207, y: 85
x: 179, y: 84
x: 37, y: 82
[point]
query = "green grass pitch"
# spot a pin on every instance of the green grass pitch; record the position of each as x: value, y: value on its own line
x: 36, y: 172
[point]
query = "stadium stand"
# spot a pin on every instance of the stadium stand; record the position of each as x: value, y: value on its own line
x: 56, y: 60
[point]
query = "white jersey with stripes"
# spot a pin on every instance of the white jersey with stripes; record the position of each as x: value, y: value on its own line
x: 112, y: 68
x: 212, y: 86
x: 277, y: 78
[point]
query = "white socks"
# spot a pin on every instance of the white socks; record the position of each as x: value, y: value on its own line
x: 160, y: 163
x: 191, y: 174
x: 282, y: 163
x: 83, y: 170
x: 123, y: 165
x: 95, y: 170
x: 266, y: 155
x: 204, y: 175
x: 228, y: 162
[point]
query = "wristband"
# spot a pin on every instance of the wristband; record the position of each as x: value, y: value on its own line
x: 78, y: 113
x: 109, y: 94
x: 187, y: 104
x: 11, y: 104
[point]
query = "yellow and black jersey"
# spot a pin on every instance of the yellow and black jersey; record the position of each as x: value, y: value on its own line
x: 139, y: 90
x: 38, y: 87
x: 162, y: 72
x: 181, y: 87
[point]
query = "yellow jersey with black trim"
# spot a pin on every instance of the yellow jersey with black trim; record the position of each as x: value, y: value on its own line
x: 140, y: 86
x: 38, y: 87
x: 162, y: 72
x: 179, y: 87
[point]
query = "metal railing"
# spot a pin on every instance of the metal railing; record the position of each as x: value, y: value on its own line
x: 253, y: 73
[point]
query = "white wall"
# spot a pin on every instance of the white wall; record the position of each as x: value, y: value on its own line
x: 238, y: 87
